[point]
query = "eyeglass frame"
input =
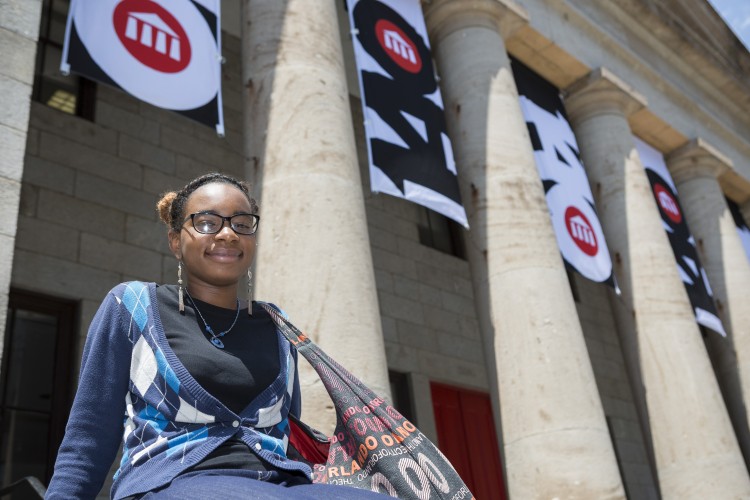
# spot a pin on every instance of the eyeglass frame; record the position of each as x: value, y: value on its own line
x: 223, y: 220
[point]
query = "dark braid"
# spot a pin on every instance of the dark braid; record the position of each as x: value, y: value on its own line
x: 171, y: 206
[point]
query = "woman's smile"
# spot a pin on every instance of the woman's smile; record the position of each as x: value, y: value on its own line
x: 223, y: 254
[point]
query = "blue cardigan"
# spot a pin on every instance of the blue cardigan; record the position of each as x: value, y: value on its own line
x: 132, y: 385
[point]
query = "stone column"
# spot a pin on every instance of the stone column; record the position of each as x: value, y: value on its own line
x: 695, y: 450
x: 554, y: 435
x: 695, y: 168
x: 19, y: 31
x: 314, y: 256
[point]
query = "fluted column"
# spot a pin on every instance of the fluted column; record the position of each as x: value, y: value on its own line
x: 314, y: 256
x: 553, y: 432
x: 695, y: 168
x: 695, y: 450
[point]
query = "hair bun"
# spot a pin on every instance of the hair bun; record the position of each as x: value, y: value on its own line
x: 164, y: 206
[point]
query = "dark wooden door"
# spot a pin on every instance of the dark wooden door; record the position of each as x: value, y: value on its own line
x: 35, y: 378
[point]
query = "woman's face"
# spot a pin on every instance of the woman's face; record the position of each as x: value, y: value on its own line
x: 214, y: 260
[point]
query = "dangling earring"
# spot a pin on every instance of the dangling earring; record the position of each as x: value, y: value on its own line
x: 249, y: 291
x: 181, y: 301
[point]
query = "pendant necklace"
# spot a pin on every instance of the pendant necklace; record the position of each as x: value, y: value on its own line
x: 215, y: 338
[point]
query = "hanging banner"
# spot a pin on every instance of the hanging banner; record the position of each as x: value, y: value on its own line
x: 566, y: 186
x: 409, y: 150
x: 742, y: 227
x: 683, y: 245
x: 164, y: 52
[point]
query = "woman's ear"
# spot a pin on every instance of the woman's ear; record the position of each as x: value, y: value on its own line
x: 174, y: 244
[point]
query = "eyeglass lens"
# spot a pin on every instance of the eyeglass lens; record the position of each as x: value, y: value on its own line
x: 212, y: 223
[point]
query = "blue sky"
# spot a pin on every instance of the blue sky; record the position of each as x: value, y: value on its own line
x: 737, y: 15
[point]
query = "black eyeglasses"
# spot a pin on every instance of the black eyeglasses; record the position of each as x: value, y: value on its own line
x: 208, y: 223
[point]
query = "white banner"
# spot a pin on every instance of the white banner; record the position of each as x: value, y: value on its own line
x: 409, y: 150
x: 164, y: 52
x: 683, y: 244
x: 569, y: 199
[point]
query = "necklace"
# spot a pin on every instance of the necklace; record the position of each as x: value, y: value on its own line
x: 215, y: 338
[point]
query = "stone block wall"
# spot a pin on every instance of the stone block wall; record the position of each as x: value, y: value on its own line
x: 87, y: 211
x: 87, y: 216
x: 19, y: 30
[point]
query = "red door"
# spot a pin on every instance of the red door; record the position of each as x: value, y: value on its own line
x: 466, y: 435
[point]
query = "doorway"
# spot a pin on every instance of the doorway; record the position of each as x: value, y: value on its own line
x: 35, y: 378
x: 466, y: 435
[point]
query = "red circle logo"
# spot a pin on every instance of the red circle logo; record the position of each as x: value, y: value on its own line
x: 581, y: 231
x: 398, y: 46
x: 152, y: 35
x: 667, y: 203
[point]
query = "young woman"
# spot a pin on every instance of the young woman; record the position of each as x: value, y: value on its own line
x: 198, y: 383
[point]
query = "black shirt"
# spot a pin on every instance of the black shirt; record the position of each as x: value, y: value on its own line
x: 235, y: 375
x: 247, y: 365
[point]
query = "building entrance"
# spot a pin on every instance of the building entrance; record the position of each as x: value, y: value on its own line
x: 466, y: 435
x: 35, y: 378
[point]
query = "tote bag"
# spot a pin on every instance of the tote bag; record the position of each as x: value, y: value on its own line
x: 373, y: 447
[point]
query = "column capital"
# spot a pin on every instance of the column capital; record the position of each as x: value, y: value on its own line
x: 697, y: 158
x: 601, y: 91
x: 443, y: 17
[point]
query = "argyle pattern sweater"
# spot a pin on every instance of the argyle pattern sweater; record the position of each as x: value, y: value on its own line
x: 132, y: 385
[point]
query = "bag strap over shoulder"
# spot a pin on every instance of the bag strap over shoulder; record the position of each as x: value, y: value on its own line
x: 374, y: 447
x: 294, y: 335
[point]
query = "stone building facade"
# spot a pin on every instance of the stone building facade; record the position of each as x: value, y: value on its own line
x: 587, y: 394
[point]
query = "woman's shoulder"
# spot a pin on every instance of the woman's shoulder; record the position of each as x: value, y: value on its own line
x: 272, y: 307
x: 135, y: 287
x: 130, y: 293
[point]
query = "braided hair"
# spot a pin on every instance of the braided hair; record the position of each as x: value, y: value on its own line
x: 171, y: 206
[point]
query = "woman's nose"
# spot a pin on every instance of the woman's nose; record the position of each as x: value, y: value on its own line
x: 226, y: 231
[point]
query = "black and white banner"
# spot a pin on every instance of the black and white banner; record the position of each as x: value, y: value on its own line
x: 742, y: 228
x: 164, y: 52
x: 566, y: 186
x: 683, y: 245
x: 409, y: 150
